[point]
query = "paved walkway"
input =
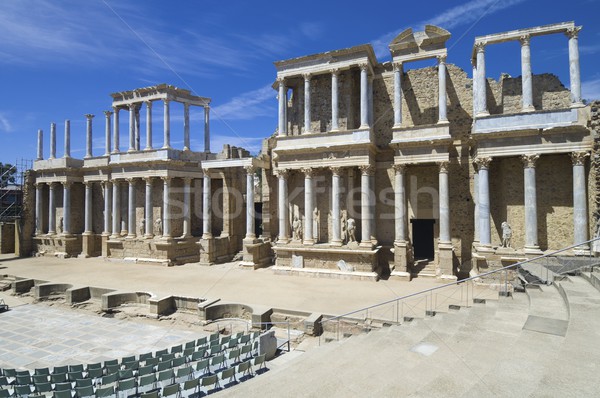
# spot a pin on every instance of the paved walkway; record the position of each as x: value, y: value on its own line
x: 225, y: 281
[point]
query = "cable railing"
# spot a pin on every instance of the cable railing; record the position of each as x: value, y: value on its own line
x: 462, y: 293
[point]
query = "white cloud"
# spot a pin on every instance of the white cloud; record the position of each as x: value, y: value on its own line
x: 5, y: 125
x: 459, y: 15
x: 590, y: 89
x: 246, y: 106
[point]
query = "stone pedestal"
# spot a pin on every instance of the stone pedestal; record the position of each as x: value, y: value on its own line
x: 256, y: 254
x: 105, y: 238
x: 402, y: 259
x: 87, y: 245
x: 445, y: 256
x: 207, y: 251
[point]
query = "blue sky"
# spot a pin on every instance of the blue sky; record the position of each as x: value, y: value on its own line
x: 60, y: 59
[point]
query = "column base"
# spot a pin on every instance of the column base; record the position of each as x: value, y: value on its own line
x: 443, y: 121
x: 528, y: 109
x: 336, y: 242
x: 148, y: 148
x: 445, y: 258
x: 283, y: 241
x: 582, y: 250
x: 308, y: 242
x: 402, y: 257
x: 87, y: 245
x: 105, y: 239
x: 148, y: 236
x: 578, y: 104
x: 366, y: 243
x: 207, y: 236
x: 364, y: 127
x: 482, y: 114
x: 532, y: 250
x: 131, y: 237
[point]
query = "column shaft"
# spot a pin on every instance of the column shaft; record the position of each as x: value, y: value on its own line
x: 137, y: 129
x: 282, y: 97
x: 307, y: 115
x: 186, y: 127
x: 167, y: 125
x: 166, y: 208
x: 481, y: 90
x: 580, y: 219
x: 52, y: 209
x: 52, y: 140
x: 334, y: 100
x: 336, y: 238
x: 66, y: 208
x: 116, y: 210
x: 365, y: 204
x: 397, y: 95
x: 476, y: 203
x: 116, y: 148
x: 484, y: 203
x: 67, y: 139
x: 308, y: 207
x: 88, y: 208
x: 187, y: 199
x: 38, y: 208
x: 531, y: 229
x: 107, y: 208
x: 131, y: 210
x: 206, y: 129
x: 250, y: 234
x: 206, y: 206
x: 107, y: 133
x: 400, y: 204
x: 442, y: 100
x: 148, y: 125
x: 88, y: 136
x: 131, y: 128
x: 40, y: 145
x: 364, y: 97
x: 444, y: 197
x: 282, y: 204
x: 574, y: 72
x: 148, y: 209
x: 526, y: 79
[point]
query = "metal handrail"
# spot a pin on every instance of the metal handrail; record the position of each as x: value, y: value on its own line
x: 337, y: 317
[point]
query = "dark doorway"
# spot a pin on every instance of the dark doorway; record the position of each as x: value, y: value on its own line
x: 422, y: 238
x: 258, y: 219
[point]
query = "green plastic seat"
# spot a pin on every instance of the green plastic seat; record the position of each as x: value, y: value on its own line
x: 103, y: 392
x: 84, y: 391
x: 172, y: 389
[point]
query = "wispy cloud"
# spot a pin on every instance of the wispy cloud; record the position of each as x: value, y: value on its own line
x: 590, y: 89
x: 5, y: 125
x: 249, y: 105
x: 460, y: 15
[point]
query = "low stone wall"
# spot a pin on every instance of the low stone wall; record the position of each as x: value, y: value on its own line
x: 7, y: 238
x: 57, y: 245
x: 46, y: 290
x: 80, y: 294
x: 115, y: 299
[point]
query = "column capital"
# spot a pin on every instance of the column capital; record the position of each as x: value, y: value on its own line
x: 335, y: 71
x: 132, y: 107
x: 307, y: 76
x: 573, y: 33
x: 281, y: 81
x: 116, y: 109
x: 206, y: 172
x: 166, y: 100
x: 88, y: 183
x: 105, y: 184
x: 108, y: 114
x: 89, y: 116
x: 483, y: 162
x: 367, y: 169
x: 363, y: 66
x: 250, y: 169
x: 444, y: 166
x: 578, y: 158
x: 399, y: 168
x: 525, y: 39
x: 480, y: 47
x: 187, y: 180
x: 529, y: 160
x: 309, y: 172
x: 148, y: 180
x: 397, y: 66
x: 67, y: 184
x: 131, y: 180
x: 441, y: 59
x: 50, y: 184
x: 282, y: 173
x: 166, y: 179
x: 148, y: 104
x: 336, y: 170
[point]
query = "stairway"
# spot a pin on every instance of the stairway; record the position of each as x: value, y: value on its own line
x: 539, y: 343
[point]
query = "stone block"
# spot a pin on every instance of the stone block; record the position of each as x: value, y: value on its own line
x: 312, y: 324
x: 267, y: 344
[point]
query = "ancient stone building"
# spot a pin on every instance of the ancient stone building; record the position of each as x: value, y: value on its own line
x: 151, y: 203
x: 422, y: 172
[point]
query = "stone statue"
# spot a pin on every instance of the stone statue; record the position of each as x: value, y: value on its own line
x: 596, y: 243
x: 316, y: 223
x: 61, y: 223
x: 343, y: 221
x: 142, y: 226
x: 351, y: 230
x: 158, y: 226
x: 506, y: 234
x: 297, y: 229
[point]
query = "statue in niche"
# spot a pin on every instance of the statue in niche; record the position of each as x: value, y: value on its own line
x: 297, y: 229
x: 316, y: 224
x: 343, y: 221
x: 351, y: 228
x: 596, y: 243
x: 158, y: 227
x: 61, y: 223
x: 506, y: 234
x: 142, y: 226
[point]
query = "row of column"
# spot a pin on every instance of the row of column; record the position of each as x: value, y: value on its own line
x: 442, y: 92
x: 134, y: 131
x: 366, y: 101
x: 482, y: 203
x: 479, y: 77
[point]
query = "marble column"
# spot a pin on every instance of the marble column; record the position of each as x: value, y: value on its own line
x: 167, y: 125
x: 116, y: 148
x: 116, y: 209
x: 282, y: 206
x: 574, y: 72
x: 38, y: 208
x: 336, y: 238
x: 131, y: 128
x: 206, y: 206
x: 88, y: 208
x: 67, y: 139
x: 364, y: 96
x: 282, y: 97
x: 370, y: 100
x: 397, y: 94
x: 366, y: 200
x: 40, y: 145
x: 107, y: 133
x: 307, y: 115
x: 187, y: 212
x: 309, y: 197
x: 88, y: 136
x: 66, y: 208
x: 148, y: 209
x: 399, y: 204
x: 52, y: 208
x: 442, y: 95
x: 186, y: 126
x: 481, y: 90
x: 131, y: 209
x: 52, y: 141
x: 148, y: 125
x: 476, y: 203
x: 580, y: 219
x: 444, y: 202
x: 531, y: 228
x: 474, y: 85
x: 483, y: 164
x: 106, y: 185
x: 250, y: 202
x: 335, y: 100
x: 137, y: 129
x: 166, y: 207
x: 526, y: 78
x: 206, y: 128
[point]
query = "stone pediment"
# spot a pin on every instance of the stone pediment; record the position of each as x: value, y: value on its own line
x: 409, y: 42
